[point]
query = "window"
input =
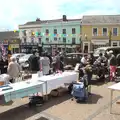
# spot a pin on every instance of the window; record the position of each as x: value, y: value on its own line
x: 114, y: 44
x: 39, y: 40
x: 47, y: 31
x: 64, y: 40
x: 115, y: 31
x: 73, y: 31
x: 25, y: 40
x: 73, y: 40
x: 64, y: 31
x: 95, y: 32
x: 55, y: 31
x: 55, y: 38
x: 104, y: 31
x: 47, y: 39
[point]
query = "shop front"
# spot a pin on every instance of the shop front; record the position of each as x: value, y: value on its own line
x: 115, y: 43
x: 96, y: 43
x: 15, y: 48
x: 86, y: 46
x: 28, y: 48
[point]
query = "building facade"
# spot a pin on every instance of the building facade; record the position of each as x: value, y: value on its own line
x: 10, y: 38
x: 63, y: 34
x: 100, y: 30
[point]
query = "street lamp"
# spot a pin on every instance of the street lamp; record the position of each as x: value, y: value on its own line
x: 110, y: 37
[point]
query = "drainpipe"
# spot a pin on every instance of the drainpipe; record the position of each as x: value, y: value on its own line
x: 110, y: 37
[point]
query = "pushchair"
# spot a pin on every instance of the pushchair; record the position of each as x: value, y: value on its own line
x: 80, y: 90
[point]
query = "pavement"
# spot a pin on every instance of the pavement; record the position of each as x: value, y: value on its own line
x: 63, y: 108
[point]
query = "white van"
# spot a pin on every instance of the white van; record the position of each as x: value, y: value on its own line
x: 103, y: 50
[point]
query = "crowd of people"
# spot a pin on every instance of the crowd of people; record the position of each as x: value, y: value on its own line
x: 105, y: 63
x: 45, y: 62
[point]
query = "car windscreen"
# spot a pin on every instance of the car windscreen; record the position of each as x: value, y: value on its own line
x: 26, y: 56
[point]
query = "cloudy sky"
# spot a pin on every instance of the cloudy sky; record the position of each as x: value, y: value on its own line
x: 15, y: 12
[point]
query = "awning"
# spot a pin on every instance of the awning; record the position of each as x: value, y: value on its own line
x: 100, y: 42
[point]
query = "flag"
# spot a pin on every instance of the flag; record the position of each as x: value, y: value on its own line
x: 3, y: 50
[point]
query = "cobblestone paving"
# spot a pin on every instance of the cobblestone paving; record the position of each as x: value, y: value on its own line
x: 62, y: 108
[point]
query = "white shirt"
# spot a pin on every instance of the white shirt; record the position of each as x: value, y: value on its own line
x: 45, y: 65
x: 13, y: 69
x: 83, y: 60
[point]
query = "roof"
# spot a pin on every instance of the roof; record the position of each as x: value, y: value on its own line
x: 96, y: 19
x: 8, y: 34
x: 50, y: 21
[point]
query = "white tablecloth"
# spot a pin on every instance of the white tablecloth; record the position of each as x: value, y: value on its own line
x: 21, y: 89
x: 57, y: 80
x: 42, y: 84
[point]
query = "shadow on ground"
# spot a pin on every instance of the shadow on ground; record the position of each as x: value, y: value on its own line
x: 23, y: 112
x: 93, y: 99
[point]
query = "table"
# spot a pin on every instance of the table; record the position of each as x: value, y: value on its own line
x: 44, y: 85
x: 21, y: 89
x: 115, y: 87
x: 57, y: 80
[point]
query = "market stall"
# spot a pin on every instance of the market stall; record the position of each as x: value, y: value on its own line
x: 43, y: 84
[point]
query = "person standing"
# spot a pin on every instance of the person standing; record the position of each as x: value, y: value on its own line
x: 112, y: 62
x: 33, y: 63
x: 13, y: 69
x: 57, y: 61
x: 118, y: 59
x: 45, y: 64
x: 84, y: 60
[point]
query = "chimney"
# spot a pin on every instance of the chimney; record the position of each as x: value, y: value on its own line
x: 64, y: 18
x: 38, y: 19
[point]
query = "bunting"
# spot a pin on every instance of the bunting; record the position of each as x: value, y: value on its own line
x: 37, y: 34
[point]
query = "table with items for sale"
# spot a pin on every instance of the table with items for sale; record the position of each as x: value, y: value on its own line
x: 115, y: 87
x: 43, y: 84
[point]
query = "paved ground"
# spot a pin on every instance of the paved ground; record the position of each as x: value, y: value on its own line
x: 62, y: 108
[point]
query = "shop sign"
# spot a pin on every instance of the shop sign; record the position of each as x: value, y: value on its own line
x: 14, y: 45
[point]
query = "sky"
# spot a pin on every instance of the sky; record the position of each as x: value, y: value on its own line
x: 16, y: 12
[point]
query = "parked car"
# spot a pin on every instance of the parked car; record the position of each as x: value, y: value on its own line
x: 18, y: 55
x: 24, y: 60
x: 103, y: 50
x: 73, y: 58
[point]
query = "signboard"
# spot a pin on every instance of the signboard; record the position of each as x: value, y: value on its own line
x: 14, y: 45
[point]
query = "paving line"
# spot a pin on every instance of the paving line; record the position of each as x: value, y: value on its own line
x: 101, y: 109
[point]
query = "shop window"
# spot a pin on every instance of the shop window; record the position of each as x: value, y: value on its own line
x: 114, y: 44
